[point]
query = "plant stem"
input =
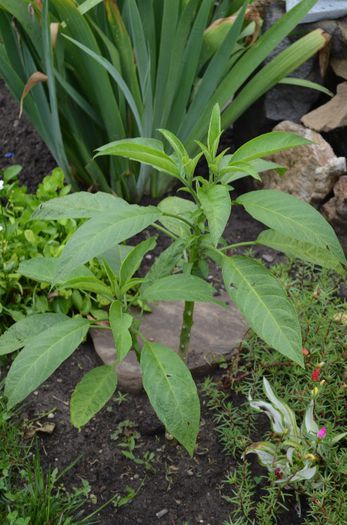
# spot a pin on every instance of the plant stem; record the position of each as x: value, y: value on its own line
x: 237, y: 245
x: 186, y: 329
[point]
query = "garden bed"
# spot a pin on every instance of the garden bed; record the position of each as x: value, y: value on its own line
x: 156, y: 482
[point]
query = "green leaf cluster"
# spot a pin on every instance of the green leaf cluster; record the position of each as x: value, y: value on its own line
x: 126, y: 68
x: 195, y: 225
x: 21, y: 239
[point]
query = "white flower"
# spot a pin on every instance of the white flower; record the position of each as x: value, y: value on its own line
x: 1, y: 184
x: 1, y: 228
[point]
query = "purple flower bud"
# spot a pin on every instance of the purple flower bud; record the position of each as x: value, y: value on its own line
x: 322, y: 433
x: 9, y: 155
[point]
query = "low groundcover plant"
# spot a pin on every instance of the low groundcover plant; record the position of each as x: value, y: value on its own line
x: 295, y: 455
x: 21, y: 239
x: 195, y: 226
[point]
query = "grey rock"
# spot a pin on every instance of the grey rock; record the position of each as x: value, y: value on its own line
x: 285, y: 102
x: 216, y: 333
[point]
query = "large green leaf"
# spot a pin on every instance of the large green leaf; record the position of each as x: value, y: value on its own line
x: 22, y: 331
x: 79, y: 205
x: 166, y: 262
x: 147, y: 151
x: 101, y: 232
x: 88, y: 284
x: 44, y: 269
x: 180, y: 287
x: 172, y: 393
x: 41, y: 356
x: 293, y: 218
x: 303, y: 250
x: 91, y: 394
x: 120, y: 324
x: 263, y: 302
x: 176, y: 206
x: 268, y: 144
x: 216, y: 203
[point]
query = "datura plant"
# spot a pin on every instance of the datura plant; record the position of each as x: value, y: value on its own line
x: 296, y: 452
x: 195, y: 223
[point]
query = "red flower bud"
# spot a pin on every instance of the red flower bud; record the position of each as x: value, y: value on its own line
x: 315, y: 374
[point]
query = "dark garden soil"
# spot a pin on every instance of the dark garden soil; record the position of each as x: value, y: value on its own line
x: 173, y: 488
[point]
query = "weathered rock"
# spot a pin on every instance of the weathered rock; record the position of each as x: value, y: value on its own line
x: 216, y: 333
x: 339, y: 66
x: 331, y: 115
x: 322, y: 10
x: 313, y: 169
x: 336, y: 208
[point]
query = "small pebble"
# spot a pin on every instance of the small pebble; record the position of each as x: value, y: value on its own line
x: 51, y: 415
x: 268, y: 258
x: 161, y: 513
x: 148, y: 256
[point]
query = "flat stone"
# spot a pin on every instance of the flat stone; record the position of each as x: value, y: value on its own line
x: 324, y: 9
x: 331, y: 115
x: 217, y: 332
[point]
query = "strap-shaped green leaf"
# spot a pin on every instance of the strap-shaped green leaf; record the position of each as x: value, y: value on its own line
x: 172, y: 393
x: 180, y: 287
x: 22, y: 331
x: 263, y: 302
x: 146, y: 151
x: 91, y: 394
x: 293, y: 218
x: 120, y: 324
x: 78, y: 205
x: 303, y: 250
x: 101, y: 232
x: 216, y: 203
x: 41, y: 356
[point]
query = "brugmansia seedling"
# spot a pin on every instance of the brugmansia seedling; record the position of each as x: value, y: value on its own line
x: 195, y: 225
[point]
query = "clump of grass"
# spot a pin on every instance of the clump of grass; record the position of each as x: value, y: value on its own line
x: 28, y: 496
x: 257, y: 499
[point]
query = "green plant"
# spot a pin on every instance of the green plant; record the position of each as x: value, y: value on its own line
x: 19, y: 296
x: 196, y: 228
x: 28, y: 495
x: 321, y: 311
x: 188, y: 56
x: 296, y: 454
